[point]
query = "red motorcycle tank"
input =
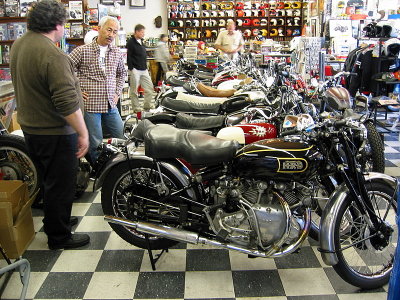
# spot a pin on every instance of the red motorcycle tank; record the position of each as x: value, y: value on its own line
x: 258, y: 131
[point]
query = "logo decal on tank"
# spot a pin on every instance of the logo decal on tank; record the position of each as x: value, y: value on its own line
x: 292, y: 165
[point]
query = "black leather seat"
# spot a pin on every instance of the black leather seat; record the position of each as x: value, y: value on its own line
x: 190, y: 107
x: 185, y: 121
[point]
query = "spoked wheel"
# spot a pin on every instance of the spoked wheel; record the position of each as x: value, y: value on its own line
x: 15, y: 164
x: 366, y: 255
x: 373, y: 157
x: 139, y: 200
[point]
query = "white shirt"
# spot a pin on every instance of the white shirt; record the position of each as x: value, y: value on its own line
x: 229, y: 41
x: 102, y: 57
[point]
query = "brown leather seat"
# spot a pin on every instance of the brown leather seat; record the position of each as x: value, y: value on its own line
x: 209, y: 91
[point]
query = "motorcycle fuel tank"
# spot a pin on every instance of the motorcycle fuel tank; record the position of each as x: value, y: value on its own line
x: 258, y: 131
x: 278, y: 158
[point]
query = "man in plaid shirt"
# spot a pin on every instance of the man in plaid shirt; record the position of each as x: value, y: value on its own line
x: 101, y: 72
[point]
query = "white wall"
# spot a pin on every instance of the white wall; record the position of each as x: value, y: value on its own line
x: 145, y: 16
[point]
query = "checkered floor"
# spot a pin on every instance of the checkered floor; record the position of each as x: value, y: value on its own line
x: 109, y: 268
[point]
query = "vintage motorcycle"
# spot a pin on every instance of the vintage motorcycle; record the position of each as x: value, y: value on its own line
x: 257, y: 199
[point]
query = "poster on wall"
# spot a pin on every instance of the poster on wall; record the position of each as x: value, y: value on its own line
x: 340, y: 28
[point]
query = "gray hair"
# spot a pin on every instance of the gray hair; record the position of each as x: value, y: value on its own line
x: 230, y: 21
x: 107, y: 19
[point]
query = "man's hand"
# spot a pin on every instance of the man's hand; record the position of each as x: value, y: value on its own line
x: 116, y: 98
x: 85, y: 96
x: 83, y: 146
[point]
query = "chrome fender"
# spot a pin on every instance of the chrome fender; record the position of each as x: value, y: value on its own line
x: 329, y: 215
x: 180, y: 171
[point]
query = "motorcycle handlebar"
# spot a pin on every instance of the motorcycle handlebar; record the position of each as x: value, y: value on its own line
x: 290, y: 132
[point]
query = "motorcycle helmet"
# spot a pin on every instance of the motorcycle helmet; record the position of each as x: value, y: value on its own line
x: 172, y: 24
x: 256, y: 5
x: 205, y: 6
x: 273, y: 22
x: 222, y: 23
x: 214, y: 14
x: 280, y: 31
x: 188, y: 23
x: 196, y: 14
x: 272, y: 5
x: 206, y: 23
x: 208, y: 33
x: 229, y: 13
x: 289, y: 32
x: 213, y: 6
x: 196, y: 23
x: 281, y: 22
x: 246, y: 22
x: 341, y: 4
x: 229, y: 5
x: 247, y: 5
x: 289, y: 12
x: 240, y: 13
x: 254, y: 13
x: 264, y: 32
x: 280, y: 5
x: 247, y: 32
x: 221, y: 13
x: 289, y: 22
x: 296, y: 32
x: 256, y: 22
x: 247, y: 13
x: 206, y: 14
x: 296, y: 5
x: 272, y: 12
x: 255, y: 32
x: 273, y: 32
x: 239, y: 22
x: 196, y: 6
x: 214, y: 33
x: 296, y: 21
x: 287, y: 5
x: 391, y: 47
x: 213, y: 23
x: 239, y: 5
x: 280, y: 13
x: 297, y: 12
x: 180, y: 23
x: 261, y: 13
x: 179, y: 14
x: 263, y: 22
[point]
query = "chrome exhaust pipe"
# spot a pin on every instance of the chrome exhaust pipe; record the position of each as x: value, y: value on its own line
x: 179, y: 235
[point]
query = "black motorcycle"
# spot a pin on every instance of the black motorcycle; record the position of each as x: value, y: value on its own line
x: 187, y: 186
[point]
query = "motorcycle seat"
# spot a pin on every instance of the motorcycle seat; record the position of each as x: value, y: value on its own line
x: 199, y: 149
x: 186, y: 121
x: 190, y: 107
x: 199, y: 99
x: 209, y: 91
x: 203, y: 75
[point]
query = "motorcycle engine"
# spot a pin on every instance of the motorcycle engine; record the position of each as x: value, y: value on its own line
x: 253, y: 215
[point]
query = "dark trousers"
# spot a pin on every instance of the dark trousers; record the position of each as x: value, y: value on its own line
x: 55, y: 157
x: 160, y: 73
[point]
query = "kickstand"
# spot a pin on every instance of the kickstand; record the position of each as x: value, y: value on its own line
x: 152, y: 259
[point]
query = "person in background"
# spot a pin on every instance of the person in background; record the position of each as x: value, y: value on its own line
x: 49, y: 104
x: 101, y: 72
x: 139, y: 74
x: 230, y: 41
x: 162, y: 57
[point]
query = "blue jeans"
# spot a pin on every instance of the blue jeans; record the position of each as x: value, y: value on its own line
x: 95, y: 122
x: 394, y: 283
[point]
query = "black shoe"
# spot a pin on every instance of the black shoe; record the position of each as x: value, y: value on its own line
x: 76, y: 240
x: 73, y: 220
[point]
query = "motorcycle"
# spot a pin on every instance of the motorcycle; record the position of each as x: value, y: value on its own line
x: 15, y: 163
x: 255, y: 199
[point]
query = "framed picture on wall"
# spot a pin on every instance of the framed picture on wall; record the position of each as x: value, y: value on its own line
x: 111, y: 2
x: 137, y: 3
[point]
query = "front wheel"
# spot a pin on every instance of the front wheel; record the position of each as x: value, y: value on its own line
x: 139, y: 200
x: 15, y: 163
x: 374, y: 155
x: 366, y: 257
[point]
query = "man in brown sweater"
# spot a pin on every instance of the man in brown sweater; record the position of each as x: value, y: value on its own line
x: 49, y: 104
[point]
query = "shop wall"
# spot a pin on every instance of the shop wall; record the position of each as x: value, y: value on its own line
x: 145, y: 16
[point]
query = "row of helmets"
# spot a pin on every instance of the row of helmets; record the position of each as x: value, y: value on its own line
x: 296, y: 21
x: 238, y: 13
x: 194, y: 33
x: 238, y: 6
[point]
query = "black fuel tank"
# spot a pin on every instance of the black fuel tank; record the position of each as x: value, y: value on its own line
x: 279, y: 158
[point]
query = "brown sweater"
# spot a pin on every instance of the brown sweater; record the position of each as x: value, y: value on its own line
x: 46, y: 88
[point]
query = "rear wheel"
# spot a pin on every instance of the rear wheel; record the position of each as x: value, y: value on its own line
x: 373, y: 159
x: 139, y: 200
x: 15, y: 163
x: 366, y: 257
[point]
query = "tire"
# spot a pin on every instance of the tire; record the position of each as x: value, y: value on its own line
x: 120, y: 198
x: 374, y: 157
x: 15, y: 163
x: 363, y: 264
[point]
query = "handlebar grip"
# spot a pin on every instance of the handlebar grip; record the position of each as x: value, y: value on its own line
x: 290, y: 132
x: 353, y: 74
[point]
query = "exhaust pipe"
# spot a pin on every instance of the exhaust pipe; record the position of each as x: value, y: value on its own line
x: 179, y: 235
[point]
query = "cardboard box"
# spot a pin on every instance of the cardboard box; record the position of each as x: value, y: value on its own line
x: 16, y: 233
x: 15, y: 192
x: 14, y: 125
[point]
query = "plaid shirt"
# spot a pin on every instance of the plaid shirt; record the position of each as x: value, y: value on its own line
x: 101, y: 86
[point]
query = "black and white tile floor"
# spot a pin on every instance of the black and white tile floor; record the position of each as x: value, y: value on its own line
x: 109, y: 268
